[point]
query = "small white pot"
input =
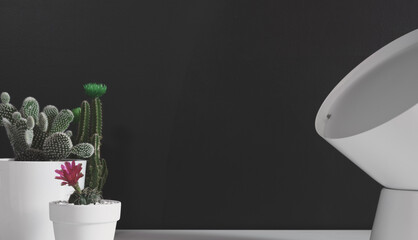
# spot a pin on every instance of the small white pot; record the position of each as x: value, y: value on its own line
x: 85, y: 222
x: 26, y: 188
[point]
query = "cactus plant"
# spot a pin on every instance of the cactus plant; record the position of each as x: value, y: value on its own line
x: 59, y: 146
x: 30, y: 107
x: 90, y: 126
x: 40, y: 136
x: 76, y: 113
x: 84, y: 123
x: 70, y: 173
x: 85, y: 197
x: 6, y: 109
x: 95, y: 90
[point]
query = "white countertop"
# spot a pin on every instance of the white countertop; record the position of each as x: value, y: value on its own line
x: 242, y: 235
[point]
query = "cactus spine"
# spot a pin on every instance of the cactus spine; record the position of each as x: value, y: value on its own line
x: 90, y: 129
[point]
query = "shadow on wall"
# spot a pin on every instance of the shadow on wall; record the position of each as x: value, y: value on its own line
x: 118, y: 144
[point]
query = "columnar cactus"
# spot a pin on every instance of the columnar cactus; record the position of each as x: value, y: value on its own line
x: 40, y: 136
x: 90, y: 130
x: 83, y: 134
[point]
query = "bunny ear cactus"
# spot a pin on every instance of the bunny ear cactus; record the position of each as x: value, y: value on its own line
x: 62, y: 121
x: 30, y: 107
x: 6, y: 109
x: 90, y: 126
x: 59, y: 146
x: 51, y: 112
x: 40, y: 136
x: 20, y: 135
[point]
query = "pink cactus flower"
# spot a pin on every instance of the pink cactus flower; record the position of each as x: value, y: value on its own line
x: 69, y: 173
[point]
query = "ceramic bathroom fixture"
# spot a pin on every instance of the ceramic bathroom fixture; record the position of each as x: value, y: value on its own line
x: 371, y: 117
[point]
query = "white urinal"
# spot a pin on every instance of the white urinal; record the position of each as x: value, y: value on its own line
x: 371, y: 117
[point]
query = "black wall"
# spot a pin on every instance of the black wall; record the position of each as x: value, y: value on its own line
x: 209, y: 117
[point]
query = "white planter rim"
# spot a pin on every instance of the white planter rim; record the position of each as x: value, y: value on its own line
x: 112, y: 202
x: 85, y: 214
x: 38, y: 162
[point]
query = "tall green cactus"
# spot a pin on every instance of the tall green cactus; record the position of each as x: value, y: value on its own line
x: 40, y: 136
x: 97, y: 118
x: 90, y: 126
x: 83, y: 133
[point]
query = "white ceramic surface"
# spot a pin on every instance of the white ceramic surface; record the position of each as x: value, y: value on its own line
x: 26, y: 188
x: 371, y: 116
x: 396, y: 216
x: 85, y: 222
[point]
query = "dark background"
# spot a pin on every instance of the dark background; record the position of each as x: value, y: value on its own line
x: 209, y: 116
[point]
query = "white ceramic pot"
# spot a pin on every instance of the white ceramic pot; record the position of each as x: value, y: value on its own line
x: 85, y: 222
x: 26, y: 188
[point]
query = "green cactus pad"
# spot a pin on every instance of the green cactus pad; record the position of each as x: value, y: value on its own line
x: 57, y: 146
x: 83, y: 150
x: 69, y: 133
x: 30, y: 107
x: 43, y: 122
x: 10, y: 131
x: 5, y: 98
x: 30, y: 122
x: 38, y: 138
x: 16, y: 116
x: 6, y: 111
x: 28, y: 137
x: 95, y: 90
x: 51, y: 112
x: 62, y: 121
x: 19, y: 122
x: 31, y: 155
x: 20, y: 137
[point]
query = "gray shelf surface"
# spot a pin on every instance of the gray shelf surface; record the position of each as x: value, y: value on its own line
x: 242, y: 235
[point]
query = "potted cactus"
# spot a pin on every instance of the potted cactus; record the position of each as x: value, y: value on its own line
x: 86, y: 215
x: 40, y: 141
